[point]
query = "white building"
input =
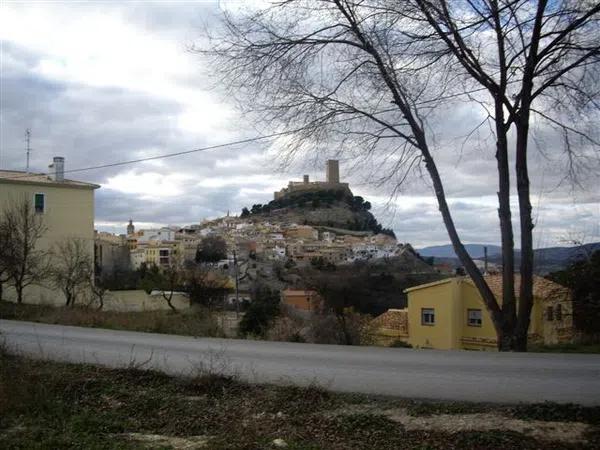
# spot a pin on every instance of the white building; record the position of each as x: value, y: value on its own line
x: 162, y: 234
x: 137, y: 257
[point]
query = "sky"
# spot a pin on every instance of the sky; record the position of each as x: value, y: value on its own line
x: 103, y: 82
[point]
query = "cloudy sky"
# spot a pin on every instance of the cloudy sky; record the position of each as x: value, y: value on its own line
x: 100, y: 82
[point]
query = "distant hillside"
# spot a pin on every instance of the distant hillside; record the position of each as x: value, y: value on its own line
x: 551, y: 259
x: 447, y: 251
x: 547, y: 260
x: 328, y: 208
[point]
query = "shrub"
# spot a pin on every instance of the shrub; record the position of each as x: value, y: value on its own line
x: 261, y: 313
x: 286, y: 329
x: 349, y: 328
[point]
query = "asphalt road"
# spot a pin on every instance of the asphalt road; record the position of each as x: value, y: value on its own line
x: 449, y: 375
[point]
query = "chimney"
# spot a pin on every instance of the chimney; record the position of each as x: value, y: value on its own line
x: 305, y: 179
x: 57, y: 169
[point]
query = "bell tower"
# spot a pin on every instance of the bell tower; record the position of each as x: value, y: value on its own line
x: 130, y: 228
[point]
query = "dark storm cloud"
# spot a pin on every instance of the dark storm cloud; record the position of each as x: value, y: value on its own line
x: 93, y: 123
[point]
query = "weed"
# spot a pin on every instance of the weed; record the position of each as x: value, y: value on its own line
x: 555, y: 412
x: 430, y: 408
x: 494, y: 439
x: 57, y: 405
x: 193, y: 323
x: 215, y: 385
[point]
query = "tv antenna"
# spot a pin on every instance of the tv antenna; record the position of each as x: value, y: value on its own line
x: 28, y: 140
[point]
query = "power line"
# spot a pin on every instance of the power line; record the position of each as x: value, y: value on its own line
x: 168, y: 155
x: 232, y: 143
x: 196, y: 150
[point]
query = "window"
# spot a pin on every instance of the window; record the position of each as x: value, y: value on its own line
x: 427, y: 316
x: 163, y: 252
x: 39, y: 203
x: 558, y: 313
x: 474, y: 317
x: 549, y: 314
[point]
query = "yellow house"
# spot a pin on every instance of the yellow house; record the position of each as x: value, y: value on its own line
x: 66, y: 207
x: 450, y: 314
x: 164, y: 253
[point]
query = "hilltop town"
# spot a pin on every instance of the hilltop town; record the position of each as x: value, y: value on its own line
x: 307, y: 221
x: 313, y: 264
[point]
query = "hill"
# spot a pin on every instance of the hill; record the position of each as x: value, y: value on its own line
x: 547, y: 259
x: 447, y: 251
x: 329, y: 208
x: 551, y: 259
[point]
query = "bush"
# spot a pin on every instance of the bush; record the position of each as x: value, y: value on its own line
x: 286, y: 329
x: 197, y: 323
x: 398, y: 343
x: 351, y: 329
x: 260, y: 314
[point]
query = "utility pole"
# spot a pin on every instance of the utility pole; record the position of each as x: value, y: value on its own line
x: 28, y: 140
x: 485, y: 261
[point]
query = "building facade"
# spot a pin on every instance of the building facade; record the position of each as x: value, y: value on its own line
x: 66, y: 208
x: 450, y: 314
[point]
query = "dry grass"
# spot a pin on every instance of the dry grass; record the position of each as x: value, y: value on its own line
x: 45, y: 405
x: 192, y: 323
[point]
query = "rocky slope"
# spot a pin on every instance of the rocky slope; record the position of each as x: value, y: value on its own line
x: 336, y: 209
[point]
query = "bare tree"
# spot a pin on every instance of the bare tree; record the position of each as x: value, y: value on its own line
x: 370, y: 76
x: 170, y: 279
x: 4, y: 258
x: 544, y: 64
x: 206, y: 287
x: 72, y: 268
x: 99, y: 290
x: 24, y: 262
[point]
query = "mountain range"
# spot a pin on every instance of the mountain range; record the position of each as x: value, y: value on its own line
x: 547, y: 259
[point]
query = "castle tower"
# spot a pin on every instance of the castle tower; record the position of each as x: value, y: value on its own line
x: 130, y: 228
x: 333, y: 171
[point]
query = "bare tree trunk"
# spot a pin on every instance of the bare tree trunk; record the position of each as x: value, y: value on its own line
x: 342, y: 321
x: 169, y: 298
x: 526, y: 269
x: 508, y: 307
x: 19, y: 289
x: 509, y: 318
x: 522, y: 125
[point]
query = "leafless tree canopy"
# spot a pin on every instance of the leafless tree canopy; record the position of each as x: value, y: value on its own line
x: 369, y: 77
x: 23, y: 262
x: 4, y: 260
x: 72, y: 269
x: 172, y: 278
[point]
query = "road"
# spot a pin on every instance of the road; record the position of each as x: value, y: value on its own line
x: 432, y: 374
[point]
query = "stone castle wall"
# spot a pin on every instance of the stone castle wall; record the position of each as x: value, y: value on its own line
x: 314, y: 186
